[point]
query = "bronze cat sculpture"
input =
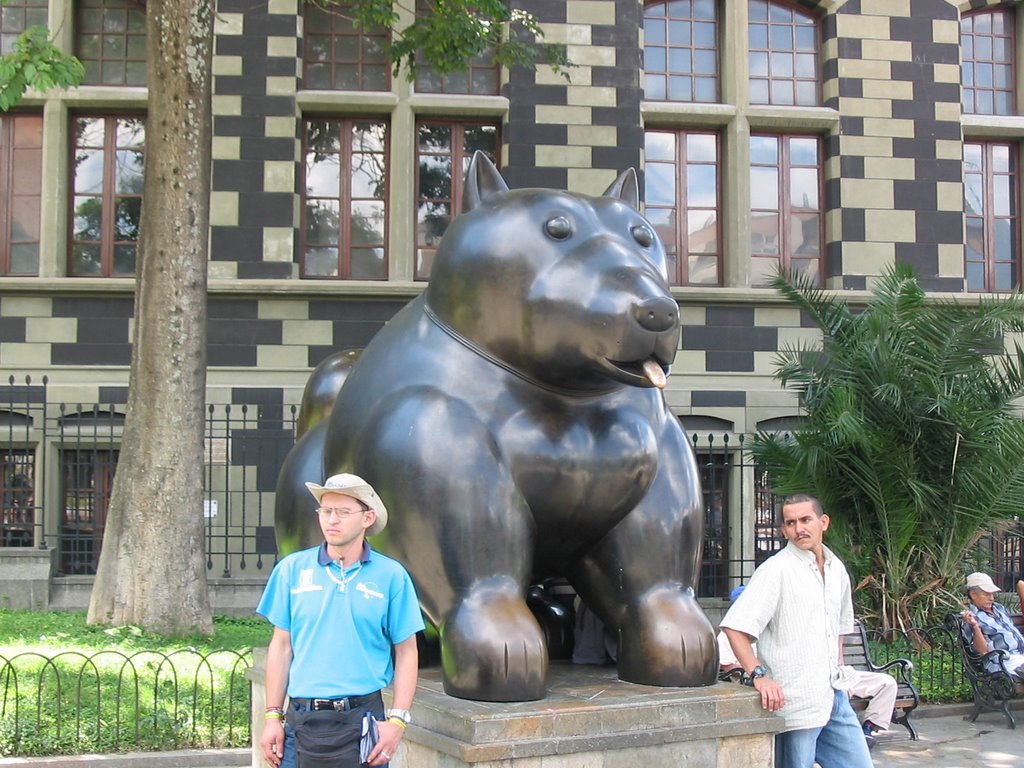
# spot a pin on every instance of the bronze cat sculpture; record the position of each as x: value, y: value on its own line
x: 511, y: 419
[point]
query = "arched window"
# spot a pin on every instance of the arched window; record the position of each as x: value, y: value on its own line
x: 986, y: 49
x: 681, y: 51
x: 783, y: 55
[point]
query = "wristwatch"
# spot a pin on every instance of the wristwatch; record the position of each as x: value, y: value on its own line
x: 755, y: 673
x: 402, y: 714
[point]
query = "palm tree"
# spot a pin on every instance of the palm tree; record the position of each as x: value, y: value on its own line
x: 912, y: 438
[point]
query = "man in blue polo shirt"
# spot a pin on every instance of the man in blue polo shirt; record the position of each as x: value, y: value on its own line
x: 339, y: 610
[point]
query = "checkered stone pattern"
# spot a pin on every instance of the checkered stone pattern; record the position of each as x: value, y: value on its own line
x: 895, y: 166
x: 266, y: 337
x: 723, y: 369
x: 578, y: 135
x: 256, y: 147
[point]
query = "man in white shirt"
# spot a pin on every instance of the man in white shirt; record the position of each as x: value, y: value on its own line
x: 797, y: 605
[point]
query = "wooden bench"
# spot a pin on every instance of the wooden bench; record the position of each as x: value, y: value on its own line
x: 857, y: 654
x: 991, y: 682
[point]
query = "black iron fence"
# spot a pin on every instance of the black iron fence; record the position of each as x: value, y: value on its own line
x: 113, y: 701
x: 57, y: 464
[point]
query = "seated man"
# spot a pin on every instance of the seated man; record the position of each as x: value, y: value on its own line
x: 878, y: 687
x: 990, y: 624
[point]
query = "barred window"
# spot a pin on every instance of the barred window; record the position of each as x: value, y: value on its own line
x: 88, y: 479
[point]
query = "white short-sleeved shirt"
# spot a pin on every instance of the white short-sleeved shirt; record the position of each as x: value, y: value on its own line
x: 797, y: 617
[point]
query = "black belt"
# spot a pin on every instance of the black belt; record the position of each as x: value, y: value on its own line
x: 340, y: 703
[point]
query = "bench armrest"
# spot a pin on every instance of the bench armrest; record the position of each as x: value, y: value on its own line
x: 903, y: 666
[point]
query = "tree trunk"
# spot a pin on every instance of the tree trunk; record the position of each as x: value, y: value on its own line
x: 152, y: 570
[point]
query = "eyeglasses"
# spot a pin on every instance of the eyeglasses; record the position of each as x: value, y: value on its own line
x: 326, y: 512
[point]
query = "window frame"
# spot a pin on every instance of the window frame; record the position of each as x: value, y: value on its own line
x: 1010, y: 16
x: 108, y: 197
x: 84, y: 524
x: 785, y: 211
x: 345, y: 198
x: 681, y: 207
x: 11, y: 191
x: 26, y: 6
x: 361, y: 39
x: 459, y: 162
x: 693, y: 49
x: 102, y: 60
x: 989, y: 219
x: 797, y: 11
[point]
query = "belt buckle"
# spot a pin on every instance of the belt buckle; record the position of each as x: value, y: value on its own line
x: 340, y: 705
x: 318, y: 704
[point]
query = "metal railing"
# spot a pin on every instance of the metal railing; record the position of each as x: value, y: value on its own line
x: 57, y: 463
x: 113, y: 701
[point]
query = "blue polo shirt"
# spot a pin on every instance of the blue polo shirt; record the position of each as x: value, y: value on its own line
x: 342, y: 625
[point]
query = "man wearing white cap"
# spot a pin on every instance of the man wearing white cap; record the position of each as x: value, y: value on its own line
x: 341, y: 612
x: 990, y: 623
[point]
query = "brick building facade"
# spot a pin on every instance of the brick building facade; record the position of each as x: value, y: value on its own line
x: 835, y: 136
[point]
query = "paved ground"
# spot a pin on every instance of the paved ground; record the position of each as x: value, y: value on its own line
x: 949, y: 741
x: 946, y: 741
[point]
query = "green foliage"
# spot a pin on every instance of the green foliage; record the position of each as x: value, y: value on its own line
x: 448, y: 34
x: 911, y: 438
x: 35, y: 62
x: 67, y: 687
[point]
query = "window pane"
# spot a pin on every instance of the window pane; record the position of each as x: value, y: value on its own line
x: 322, y: 222
x: 803, y: 188
x: 702, y: 185
x: 702, y: 232
x: 660, y: 184
x: 764, y: 188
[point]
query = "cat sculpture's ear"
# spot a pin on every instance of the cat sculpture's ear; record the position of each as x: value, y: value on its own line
x: 482, y: 182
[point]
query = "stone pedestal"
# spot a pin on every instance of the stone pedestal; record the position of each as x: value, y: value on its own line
x: 25, y: 574
x: 590, y: 719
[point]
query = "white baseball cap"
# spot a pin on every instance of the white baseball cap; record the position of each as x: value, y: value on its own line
x: 983, y: 582
x: 357, y: 488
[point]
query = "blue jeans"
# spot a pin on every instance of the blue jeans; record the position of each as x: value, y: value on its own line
x: 840, y: 743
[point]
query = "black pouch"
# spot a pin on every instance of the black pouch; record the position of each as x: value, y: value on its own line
x: 327, y: 738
